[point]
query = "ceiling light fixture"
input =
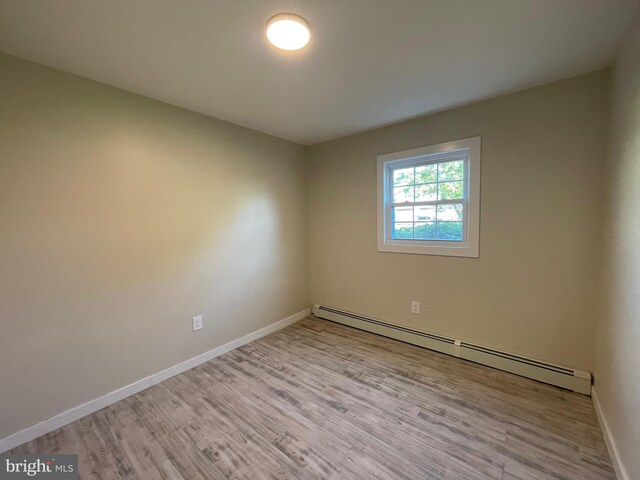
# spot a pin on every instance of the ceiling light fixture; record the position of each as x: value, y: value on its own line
x: 288, y: 31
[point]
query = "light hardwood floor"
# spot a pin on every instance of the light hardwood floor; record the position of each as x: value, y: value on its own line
x: 320, y: 400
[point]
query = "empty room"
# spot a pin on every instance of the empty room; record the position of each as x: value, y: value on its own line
x: 320, y: 239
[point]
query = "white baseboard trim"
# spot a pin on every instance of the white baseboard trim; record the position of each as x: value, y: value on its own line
x: 75, y: 413
x: 621, y: 472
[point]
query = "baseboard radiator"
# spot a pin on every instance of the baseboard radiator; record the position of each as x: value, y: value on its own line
x: 568, y: 378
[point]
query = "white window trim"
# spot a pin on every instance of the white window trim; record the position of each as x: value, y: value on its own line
x: 467, y: 248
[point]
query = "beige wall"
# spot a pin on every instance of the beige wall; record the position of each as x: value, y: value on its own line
x: 533, y: 289
x: 617, y: 379
x: 121, y: 218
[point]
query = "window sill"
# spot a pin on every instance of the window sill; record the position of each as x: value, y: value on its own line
x: 448, y: 249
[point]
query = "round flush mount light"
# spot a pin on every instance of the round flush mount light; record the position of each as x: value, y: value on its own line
x: 288, y: 31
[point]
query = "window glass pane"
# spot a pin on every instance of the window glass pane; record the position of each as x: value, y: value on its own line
x: 425, y: 231
x: 451, y: 171
x: 403, y: 194
x: 450, y: 213
x: 427, y: 173
x: 403, y: 176
x: 451, y: 231
x: 450, y: 190
x: 427, y: 192
x: 424, y: 213
x: 402, y: 214
x: 402, y: 230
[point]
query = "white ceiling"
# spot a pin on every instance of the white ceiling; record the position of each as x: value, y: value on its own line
x: 370, y: 62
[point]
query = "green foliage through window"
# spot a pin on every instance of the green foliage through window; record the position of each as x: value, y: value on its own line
x: 434, y: 182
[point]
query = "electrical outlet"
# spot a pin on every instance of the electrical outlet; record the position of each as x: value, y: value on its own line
x: 197, y: 323
x: 415, y: 307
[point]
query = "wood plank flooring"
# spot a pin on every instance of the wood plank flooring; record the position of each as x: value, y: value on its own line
x: 321, y: 400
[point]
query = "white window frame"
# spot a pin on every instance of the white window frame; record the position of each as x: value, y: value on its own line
x: 470, y: 244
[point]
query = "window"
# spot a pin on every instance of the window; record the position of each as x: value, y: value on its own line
x: 429, y: 200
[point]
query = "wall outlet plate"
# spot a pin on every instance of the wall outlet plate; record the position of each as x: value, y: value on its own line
x: 197, y: 323
x: 415, y: 307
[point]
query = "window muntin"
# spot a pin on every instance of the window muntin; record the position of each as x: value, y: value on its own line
x: 429, y: 199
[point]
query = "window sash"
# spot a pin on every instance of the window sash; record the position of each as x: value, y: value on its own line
x: 428, y: 202
x: 415, y: 163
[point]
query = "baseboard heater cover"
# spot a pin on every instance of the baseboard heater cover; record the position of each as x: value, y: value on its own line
x: 569, y: 378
